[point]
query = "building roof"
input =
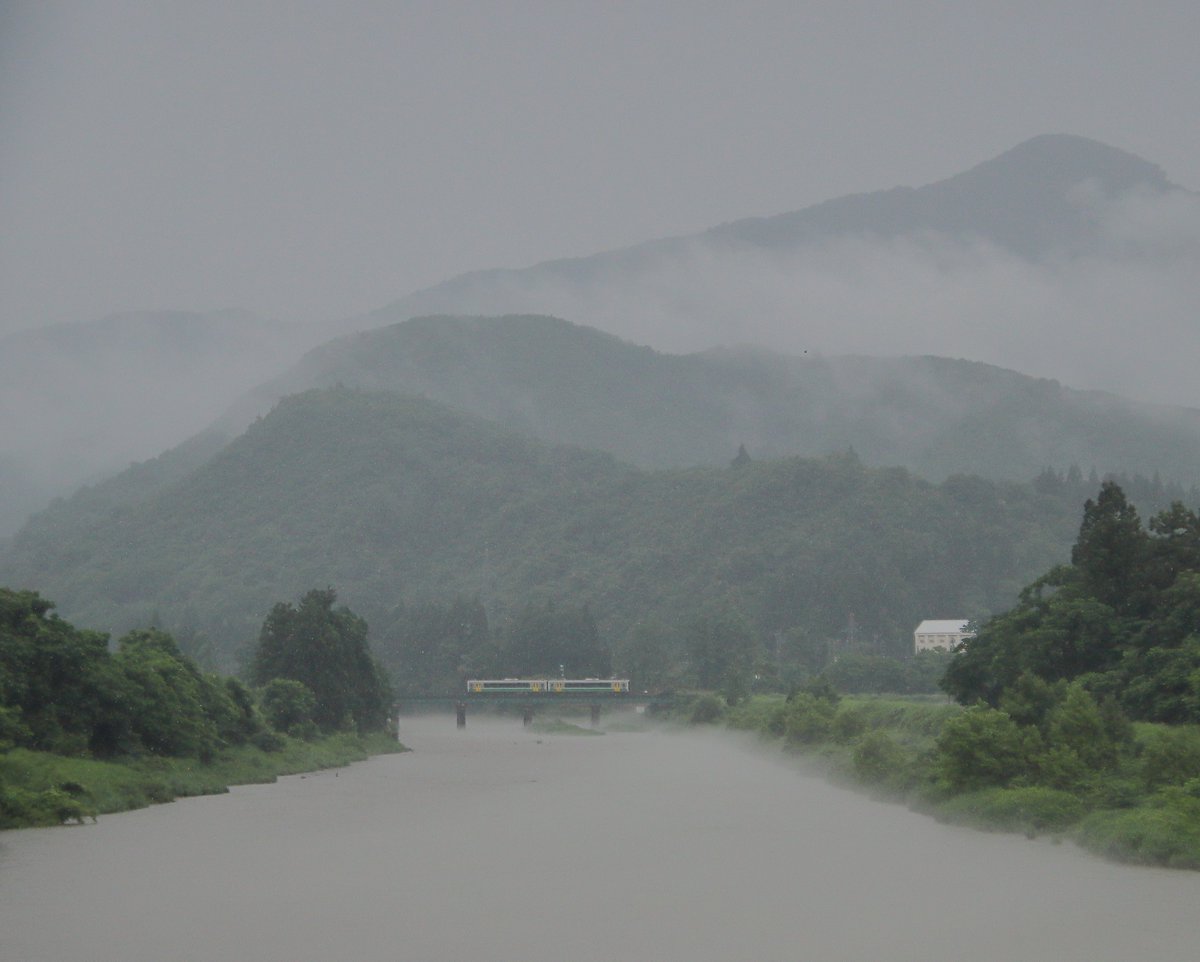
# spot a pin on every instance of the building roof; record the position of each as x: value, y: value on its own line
x: 942, y: 627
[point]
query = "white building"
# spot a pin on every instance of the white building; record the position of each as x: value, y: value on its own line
x: 940, y: 634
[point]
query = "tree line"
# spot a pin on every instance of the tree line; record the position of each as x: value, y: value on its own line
x: 1122, y: 619
x: 64, y: 690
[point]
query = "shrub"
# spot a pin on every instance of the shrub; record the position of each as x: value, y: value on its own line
x: 808, y: 719
x: 879, y: 760
x: 268, y: 741
x: 1030, y: 809
x: 287, y: 704
x: 706, y: 710
x: 848, y: 723
x: 1166, y: 832
x: 1061, y: 767
x: 1077, y: 724
x: 982, y: 747
x: 1169, y: 756
x: 760, y: 713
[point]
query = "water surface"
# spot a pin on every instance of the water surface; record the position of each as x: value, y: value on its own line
x: 497, y: 844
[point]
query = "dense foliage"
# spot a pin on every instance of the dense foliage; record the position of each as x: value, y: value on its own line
x: 937, y: 417
x: 62, y: 691
x: 68, y: 703
x: 325, y: 650
x: 1122, y: 619
x: 401, y: 502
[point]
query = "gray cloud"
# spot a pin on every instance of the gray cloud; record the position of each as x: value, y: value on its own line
x: 1120, y: 317
x: 313, y: 160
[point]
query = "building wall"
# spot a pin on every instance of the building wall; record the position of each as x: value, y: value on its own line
x: 930, y: 641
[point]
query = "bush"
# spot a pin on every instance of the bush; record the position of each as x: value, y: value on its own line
x: 706, y: 710
x: 1165, y: 832
x: 982, y: 747
x: 287, y: 705
x: 1169, y: 755
x: 51, y: 806
x: 1061, y: 767
x: 760, y: 713
x: 268, y: 741
x: 1030, y: 810
x: 808, y: 719
x: 848, y: 724
x: 880, y: 760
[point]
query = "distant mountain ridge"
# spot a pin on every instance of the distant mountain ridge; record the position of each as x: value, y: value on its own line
x: 563, y: 382
x: 1023, y: 201
x: 1062, y: 257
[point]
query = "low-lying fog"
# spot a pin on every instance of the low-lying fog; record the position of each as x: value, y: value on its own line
x: 501, y: 844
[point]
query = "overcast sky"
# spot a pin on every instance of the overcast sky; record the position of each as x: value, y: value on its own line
x: 316, y: 160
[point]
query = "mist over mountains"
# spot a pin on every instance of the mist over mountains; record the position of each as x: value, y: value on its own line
x: 562, y: 382
x: 81, y: 401
x: 1062, y: 258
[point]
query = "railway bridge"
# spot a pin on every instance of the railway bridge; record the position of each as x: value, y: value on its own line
x: 533, y: 694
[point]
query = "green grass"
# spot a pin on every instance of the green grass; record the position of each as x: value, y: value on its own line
x: 1031, y: 810
x: 1164, y: 831
x: 37, y: 788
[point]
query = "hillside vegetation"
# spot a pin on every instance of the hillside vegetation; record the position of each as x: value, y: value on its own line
x: 558, y: 381
x: 398, y: 501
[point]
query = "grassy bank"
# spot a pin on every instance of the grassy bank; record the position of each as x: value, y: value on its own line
x: 1143, y: 807
x: 38, y: 788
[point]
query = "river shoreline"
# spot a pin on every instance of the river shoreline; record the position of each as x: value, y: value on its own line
x: 42, y: 789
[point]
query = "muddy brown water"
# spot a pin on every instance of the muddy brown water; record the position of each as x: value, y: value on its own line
x: 500, y: 845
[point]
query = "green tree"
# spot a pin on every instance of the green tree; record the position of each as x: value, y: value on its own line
x: 428, y: 647
x: 541, y: 639
x: 720, y: 644
x: 808, y: 718
x: 1122, y: 618
x: 172, y: 704
x: 288, y: 705
x: 1111, y: 549
x: 57, y: 683
x: 1077, y: 723
x: 651, y: 656
x: 1175, y: 543
x: 982, y: 747
x: 325, y: 648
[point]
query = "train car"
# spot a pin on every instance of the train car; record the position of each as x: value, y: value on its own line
x: 547, y: 686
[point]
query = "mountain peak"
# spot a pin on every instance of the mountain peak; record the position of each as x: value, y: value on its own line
x: 1052, y: 163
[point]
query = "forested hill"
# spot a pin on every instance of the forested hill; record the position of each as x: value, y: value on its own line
x: 394, y: 500
x: 562, y: 382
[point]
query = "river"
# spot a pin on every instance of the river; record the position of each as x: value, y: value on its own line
x: 501, y: 845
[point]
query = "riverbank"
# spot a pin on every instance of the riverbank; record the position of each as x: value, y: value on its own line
x: 1143, y: 809
x: 40, y: 789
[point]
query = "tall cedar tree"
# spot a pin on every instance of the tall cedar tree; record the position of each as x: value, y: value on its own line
x: 326, y: 649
